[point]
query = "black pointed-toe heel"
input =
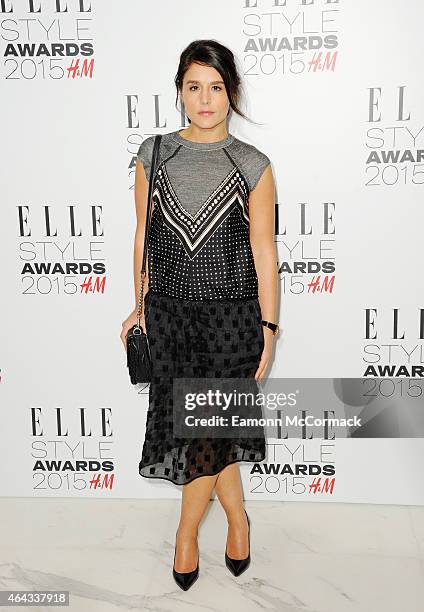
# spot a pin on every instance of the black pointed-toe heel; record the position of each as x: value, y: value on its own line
x: 238, y: 566
x: 185, y: 579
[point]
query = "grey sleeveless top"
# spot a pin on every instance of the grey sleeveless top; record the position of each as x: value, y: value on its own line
x: 198, y: 243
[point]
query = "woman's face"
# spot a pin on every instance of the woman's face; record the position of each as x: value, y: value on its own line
x: 204, y: 90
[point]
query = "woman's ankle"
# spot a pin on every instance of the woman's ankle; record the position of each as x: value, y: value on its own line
x: 236, y: 516
x: 187, y: 532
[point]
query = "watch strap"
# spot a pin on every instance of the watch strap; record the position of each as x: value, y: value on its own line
x: 274, y: 327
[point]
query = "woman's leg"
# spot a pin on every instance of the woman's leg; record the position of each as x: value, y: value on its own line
x: 230, y: 494
x: 195, y: 498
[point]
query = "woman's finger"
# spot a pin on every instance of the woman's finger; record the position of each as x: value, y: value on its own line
x: 261, y: 367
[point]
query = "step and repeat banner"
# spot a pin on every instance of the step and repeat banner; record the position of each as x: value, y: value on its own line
x: 336, y: 94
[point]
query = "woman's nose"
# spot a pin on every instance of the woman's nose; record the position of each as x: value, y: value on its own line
x: 205, y: 97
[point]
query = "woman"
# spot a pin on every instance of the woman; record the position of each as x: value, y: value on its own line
x: 210, y: 307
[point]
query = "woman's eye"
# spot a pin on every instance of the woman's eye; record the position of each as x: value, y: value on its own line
x: 194, y: 86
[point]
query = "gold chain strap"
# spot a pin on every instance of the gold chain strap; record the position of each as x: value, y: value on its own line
x: 143, y: 276
x: 141, y: 298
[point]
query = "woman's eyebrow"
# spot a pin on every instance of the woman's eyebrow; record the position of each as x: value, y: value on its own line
x: 211, y: 82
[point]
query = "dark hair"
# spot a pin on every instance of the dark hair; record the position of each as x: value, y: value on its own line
x: 211, y: 53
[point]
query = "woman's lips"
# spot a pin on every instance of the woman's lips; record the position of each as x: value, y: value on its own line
x: 206, y: 113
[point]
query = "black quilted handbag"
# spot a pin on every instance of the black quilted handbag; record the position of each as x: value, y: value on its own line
x: 139, y: 361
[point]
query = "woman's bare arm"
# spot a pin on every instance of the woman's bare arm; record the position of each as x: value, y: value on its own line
x: 262, y: 230
x: 141, y: 192
x: 262, y: 236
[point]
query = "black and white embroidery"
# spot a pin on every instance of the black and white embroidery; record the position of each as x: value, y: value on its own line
x: 195, y: 230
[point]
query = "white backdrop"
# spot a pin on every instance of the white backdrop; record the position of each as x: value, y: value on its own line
x: 337, y: 91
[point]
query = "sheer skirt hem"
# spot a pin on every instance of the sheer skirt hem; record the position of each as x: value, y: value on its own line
x: 195, y: 476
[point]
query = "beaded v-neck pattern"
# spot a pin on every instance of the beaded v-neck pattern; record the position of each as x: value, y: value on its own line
x: 195, y: 231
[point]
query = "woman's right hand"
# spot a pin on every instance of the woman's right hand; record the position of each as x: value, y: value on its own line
x: 128, y: 323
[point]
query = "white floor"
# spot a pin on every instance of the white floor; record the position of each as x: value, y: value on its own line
x: 117, y: 555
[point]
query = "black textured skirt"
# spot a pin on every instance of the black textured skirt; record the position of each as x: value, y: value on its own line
x: 197, y: 339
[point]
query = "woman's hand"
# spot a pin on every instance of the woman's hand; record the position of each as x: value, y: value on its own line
x: 266, y: 354
x: 128, y: 323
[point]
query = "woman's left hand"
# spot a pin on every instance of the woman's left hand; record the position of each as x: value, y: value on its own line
x: 266, y: 354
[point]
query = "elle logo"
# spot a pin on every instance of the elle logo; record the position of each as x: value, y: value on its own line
x: 46, y: 423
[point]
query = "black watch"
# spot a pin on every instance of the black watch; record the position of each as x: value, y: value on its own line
x: 272, y: 326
